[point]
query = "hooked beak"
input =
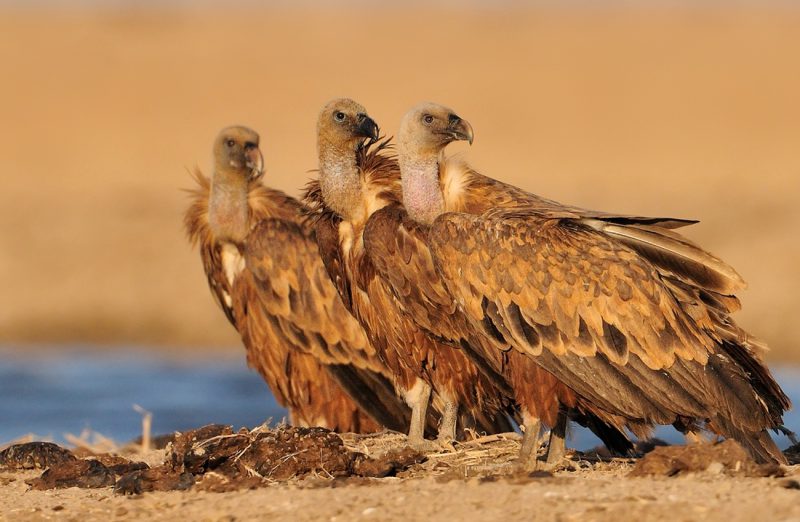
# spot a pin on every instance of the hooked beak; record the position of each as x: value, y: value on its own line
x: 255, y: 162
x: 460, y: 129
x: 367, y: 128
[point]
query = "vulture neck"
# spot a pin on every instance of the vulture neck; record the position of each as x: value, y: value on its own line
x: 228, y: 211
x: 422, y: 192
x: 340, y: 180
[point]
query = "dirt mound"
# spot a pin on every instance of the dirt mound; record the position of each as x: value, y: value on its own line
x: 249, y: 458
x: 212, y: 458
x: 154, y: 479
x: 78, y: 473
x: 726, y: 457
x: 34, y: 455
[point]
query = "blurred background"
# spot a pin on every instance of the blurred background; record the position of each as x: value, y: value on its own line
x: 669, y: 108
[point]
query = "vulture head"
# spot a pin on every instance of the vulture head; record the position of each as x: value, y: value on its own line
x: 236, y: 150
x: 429, y: 127
x: 344, y: 124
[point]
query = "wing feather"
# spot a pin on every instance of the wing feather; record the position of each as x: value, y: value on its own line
x: 295, y: 288
x: 675, y: 254
x: 397, y: 247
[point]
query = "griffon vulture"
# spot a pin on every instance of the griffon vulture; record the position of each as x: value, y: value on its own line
x: 264, y: 270
x: 398, y: 247
x: 630, y: 315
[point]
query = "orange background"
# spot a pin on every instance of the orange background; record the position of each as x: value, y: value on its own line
x: 662, y: 111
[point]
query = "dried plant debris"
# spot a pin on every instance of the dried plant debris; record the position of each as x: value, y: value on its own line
x: 279, y: 455
x: 726, y: 457
x: 199, y: 450
x: 389, y: 464
x: 215, y: 458
x: 34, y: 455
x: 295, y: 453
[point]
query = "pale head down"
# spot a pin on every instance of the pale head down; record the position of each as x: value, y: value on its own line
x: 428, y: 128
x: 236, y: 150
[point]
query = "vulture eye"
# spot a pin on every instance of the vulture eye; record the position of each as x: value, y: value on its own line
x: 230, y: 143
x: 339, y: 116
x: 428, y: 119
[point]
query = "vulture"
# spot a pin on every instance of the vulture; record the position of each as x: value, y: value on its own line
x: 264, y: 270
x: 357, y: 177
x: 397, y: 245
x: 629, y: 320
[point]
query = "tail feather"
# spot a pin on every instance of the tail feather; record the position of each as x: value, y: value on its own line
x: 758, y: 444
x: 761, y: 379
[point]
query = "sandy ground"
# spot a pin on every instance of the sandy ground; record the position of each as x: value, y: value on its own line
x: 448, y: 487
x: 598, y: 497
x: 684, y: 112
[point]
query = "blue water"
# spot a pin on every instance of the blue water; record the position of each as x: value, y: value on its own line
x: 68, y: 392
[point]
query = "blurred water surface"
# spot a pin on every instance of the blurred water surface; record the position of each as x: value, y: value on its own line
x: 70, y: 391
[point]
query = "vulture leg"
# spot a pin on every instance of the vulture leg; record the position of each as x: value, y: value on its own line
x: 417, y: 399
x: 557, y: 447
x: 447, y: 426
x: 529, y: 452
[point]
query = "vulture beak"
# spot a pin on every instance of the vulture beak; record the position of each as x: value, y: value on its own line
x: 460, y: 129
x: 255, y: 162
x: 367, y: 128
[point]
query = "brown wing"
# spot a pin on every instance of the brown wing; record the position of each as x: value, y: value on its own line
x: 397, y: 246
x: 326, y: 229
x: 599, y: 316
x: 651, y: 237
x: 321, y: 400
x: 581, y: 285
x: 296, y: 290
x: 475, y: 194
x: 308, y: 315
x: 197, y: 229
x: 297, y: 379
x: 278, y: 348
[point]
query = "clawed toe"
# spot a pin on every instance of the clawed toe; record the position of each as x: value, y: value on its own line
x: 446, y: 444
